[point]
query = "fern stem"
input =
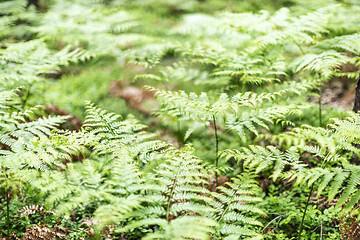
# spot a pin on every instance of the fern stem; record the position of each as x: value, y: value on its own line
x: 320, y: 108
x: 7, y: 192
x: 280, y: 216
x: 356, y: 107
x: 180, y: 136
x: 170, y: 197
x: 216, y: 150
x: 24, y: 99
x: 304, y: 214
x: 108, y: 125
x: 321, y: 231
x: 8, y: 211
x: 223, y: 214
x: 73, y: 225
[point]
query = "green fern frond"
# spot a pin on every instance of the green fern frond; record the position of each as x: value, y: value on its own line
x: 17, y: 128
x: 259, y: 158
x: 325, y: 63
x: 305, y: 29
x: 175, y: 193
x: 252, y: 120
x: 99, y: 28
x: 24, y: 63
x: 341, y: 182
x: 7, y: 99
x: 234, y: 211
x: 345, y: 43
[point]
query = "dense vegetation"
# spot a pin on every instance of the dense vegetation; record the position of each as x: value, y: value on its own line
x: 179, y: 119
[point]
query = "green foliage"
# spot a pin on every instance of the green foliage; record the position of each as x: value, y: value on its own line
x: 24, y: 147
x: 232, y: 110
x: 174, y: 194
x: 102, y: 31
x: 260, y: 159
x: 284, y: 216
x: 270, y: 167
x: 24, y: 63
x: 235, y: 199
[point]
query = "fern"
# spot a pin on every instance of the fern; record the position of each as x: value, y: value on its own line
x: 260, y: 159
x: 102, y: 29
x: 193, y: 106
x: 305, y: 29
x: 338, y: 182
x: 178, y: 195
x: 252, y: 120
x: 24, y: 64
x: 336, y: 175
x: 113, y: 133
x: 248, y: 66
x: 25, y: 148
x: 109, y: 176
x: 234, y: 207
x: 175, y: 194
x: 341, y: 136
x: 324, y: 63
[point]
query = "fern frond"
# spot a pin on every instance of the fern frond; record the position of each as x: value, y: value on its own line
x: 303, y: 30
x: 325, y: 63
x: 345, y: 43
x: 252, y: 120
x: 233, y: 208
x: 7, y: 99
x: 259, y: 158
x: 175, y: 192
x: 24, y: 63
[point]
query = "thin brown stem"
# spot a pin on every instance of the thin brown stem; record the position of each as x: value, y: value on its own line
x: 304, y: 214
x: 8, y: 211
x: 216, y: 150
x: 320, y: 110
x: 169, y: 200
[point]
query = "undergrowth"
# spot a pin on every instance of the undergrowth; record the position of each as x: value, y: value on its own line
x: 175, y: 120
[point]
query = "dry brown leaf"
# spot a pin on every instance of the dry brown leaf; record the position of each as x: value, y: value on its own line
x: 133, y: 96
x: 74, y: 122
